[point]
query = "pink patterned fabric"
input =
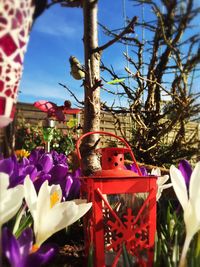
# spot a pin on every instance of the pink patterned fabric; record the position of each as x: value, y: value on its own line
x: 15, y: 22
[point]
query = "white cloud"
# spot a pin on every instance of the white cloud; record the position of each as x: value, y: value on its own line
x: 51, y: 91
x: 42, y: 90
x: 53, y: 22
x: 57, y: 30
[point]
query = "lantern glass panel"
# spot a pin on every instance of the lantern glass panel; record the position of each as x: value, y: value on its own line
x: 126, y: 227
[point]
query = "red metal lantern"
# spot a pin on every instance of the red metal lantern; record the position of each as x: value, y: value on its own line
x: 123, y: 216
x: 16, y: 19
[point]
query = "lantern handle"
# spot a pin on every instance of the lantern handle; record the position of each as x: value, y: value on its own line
x: 110, y: 134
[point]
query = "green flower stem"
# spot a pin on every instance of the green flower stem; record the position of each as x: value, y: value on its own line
x: 18, y: 218
x: 197, y: 251
x: 26, y: 223
x: 183, y: 261
x: 1, y: 261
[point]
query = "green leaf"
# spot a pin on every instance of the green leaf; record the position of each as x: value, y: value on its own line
x: 116, y: 81
x: 126, y: 257
x: 27, y: 221
x: 72, y: 123
x: 90, y: 257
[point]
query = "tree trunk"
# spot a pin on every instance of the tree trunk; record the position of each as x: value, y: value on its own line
x: 92, y: 90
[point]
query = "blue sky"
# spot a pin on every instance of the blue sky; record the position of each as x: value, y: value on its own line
x: 57, y: 35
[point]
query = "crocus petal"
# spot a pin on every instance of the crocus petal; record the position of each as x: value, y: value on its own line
x: 59, y: 217
x: 48, y: 220
x: 194, y: 189
x: 16, y: 181
x: 46, y: 162
x: 190, y: 206
x: 7, y: 165
x: 143, y: 171
x: 165, y: 186
x: 31, y: 171
x: 30, y: 195
x: 42, y: 256
x: 25, y: 241
x: 11, y: 248
x: 34, y: 156
x: 186, y: 170
x: 156, y: 172
x: 18, y: 252
x: 43, y: 201
x: 162, y: 180
x: 44, y: 206
x: 24, y: 161
x: 75, y: 187
x: 42, y: 177
x: 58, y: 173
x: 56, y: 188
x: 4, y: 181
x: 10, y: 199
x: 68, y: 185
x: 191, y: 221
x: 179, y: 186
x: 83, y: 209
x: 161, y: 188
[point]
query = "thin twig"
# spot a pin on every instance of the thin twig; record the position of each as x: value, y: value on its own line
x: 129, y: 28
x: 72, y: 94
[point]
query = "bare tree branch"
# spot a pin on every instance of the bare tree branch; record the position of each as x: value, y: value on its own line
x: 129, y: 29
x: 72, y: 94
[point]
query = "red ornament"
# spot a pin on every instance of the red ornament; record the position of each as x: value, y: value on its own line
x: 123, y: 215
x: 15, y: 21
x: 53, y: 110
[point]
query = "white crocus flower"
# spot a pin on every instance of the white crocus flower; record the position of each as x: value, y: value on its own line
x: 161, y: 182
x: 190, y: 204
x: 10, y: 199
x: 50, y: 215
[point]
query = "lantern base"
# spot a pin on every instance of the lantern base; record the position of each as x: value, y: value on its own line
x: 4, y: 121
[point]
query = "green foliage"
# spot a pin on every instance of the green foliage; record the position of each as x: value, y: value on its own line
x: 163, y: 153
x: 170, y: 234
x: 127, y: 259
x: 115, y: 81
x: 63, y: 142
x: 30, y: 137
x: 90, y: 257
x: 170, y: 237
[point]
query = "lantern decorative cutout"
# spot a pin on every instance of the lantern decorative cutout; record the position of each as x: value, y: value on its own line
x: 15, y: 21
x: 123, y: 216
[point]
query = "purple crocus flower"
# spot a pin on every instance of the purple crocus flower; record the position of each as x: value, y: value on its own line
x: 7, y: 165
x: 17, y: 171
x: 58, y: 158
x: 35, y: 155
x: 186, y: 170
x: 42, y: 166
x: 19, y: 251
x: 74, y: 191
x: 134, y: 169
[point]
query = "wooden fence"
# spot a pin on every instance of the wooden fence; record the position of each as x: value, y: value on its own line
x: 34, y: 116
